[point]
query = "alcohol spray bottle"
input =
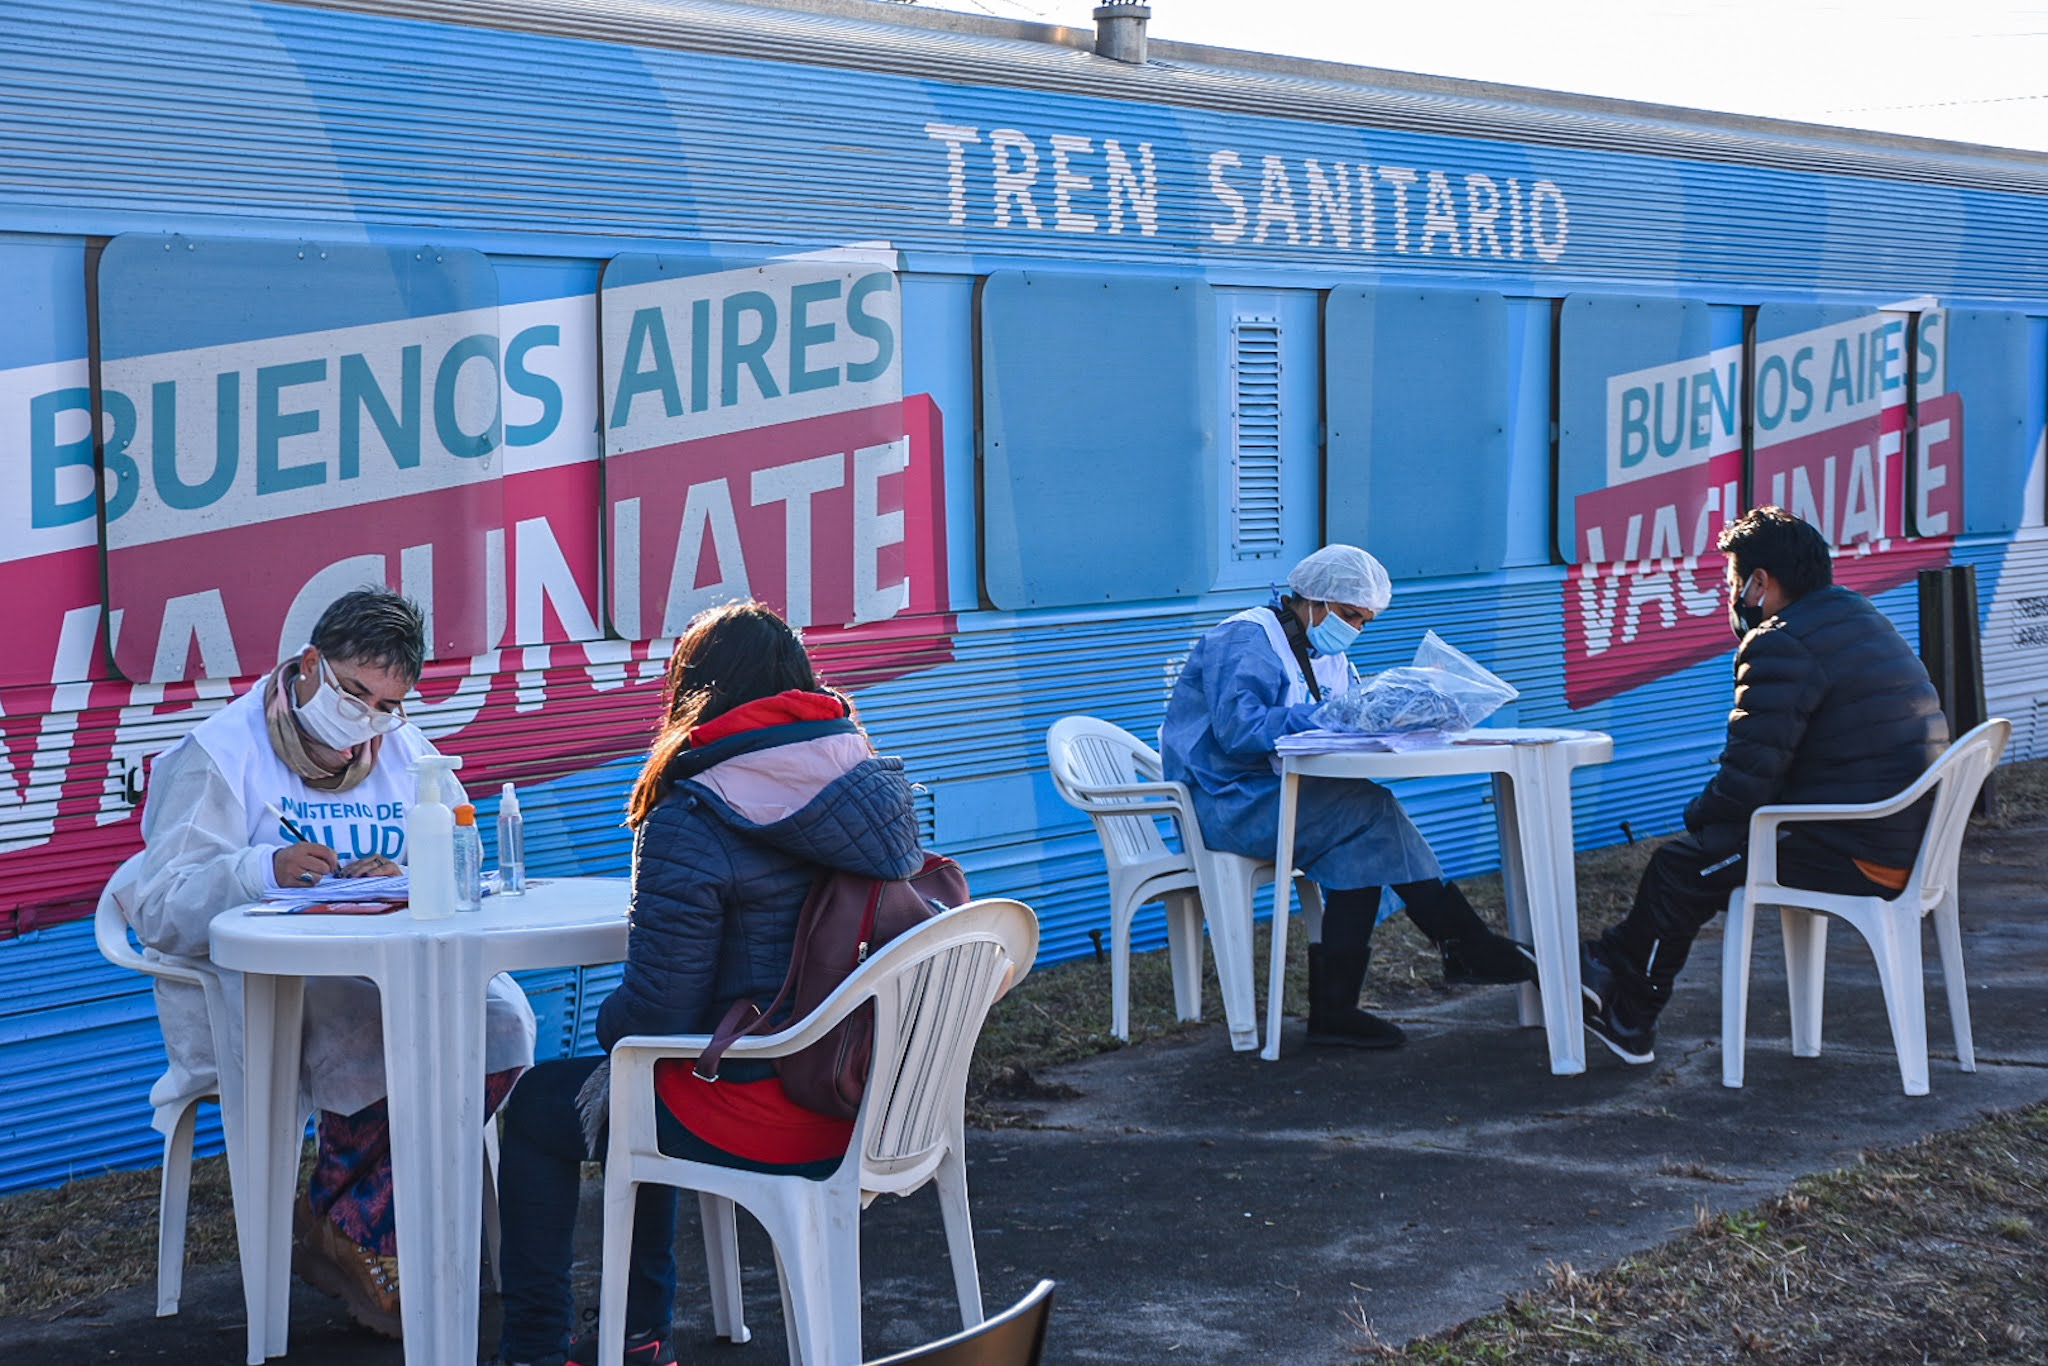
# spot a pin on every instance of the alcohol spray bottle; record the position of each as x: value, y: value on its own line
x: 511, y: 844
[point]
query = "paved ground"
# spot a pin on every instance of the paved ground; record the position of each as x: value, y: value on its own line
x: 1204, y: 1206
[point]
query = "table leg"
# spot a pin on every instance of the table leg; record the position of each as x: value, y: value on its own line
x: 1283, y: 898
x: 1543, y: 819
x: 1515, y: 892
x: 433, y: 1004
x: 273, y: 1126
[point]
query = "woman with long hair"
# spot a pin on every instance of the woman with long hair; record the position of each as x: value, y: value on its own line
x: 758, y: 779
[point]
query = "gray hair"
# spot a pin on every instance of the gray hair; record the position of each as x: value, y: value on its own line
x: 374, y: 626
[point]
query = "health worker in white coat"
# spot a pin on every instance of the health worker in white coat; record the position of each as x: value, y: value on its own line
x: 324, y: 741
x: 1262, y: 674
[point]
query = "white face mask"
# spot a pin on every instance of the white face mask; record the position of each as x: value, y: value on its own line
x: 340, y: 721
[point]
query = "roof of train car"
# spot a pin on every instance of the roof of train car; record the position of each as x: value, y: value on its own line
x: 903, y: 39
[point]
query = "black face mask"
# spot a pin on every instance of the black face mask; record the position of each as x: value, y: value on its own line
x: 1742, y: 617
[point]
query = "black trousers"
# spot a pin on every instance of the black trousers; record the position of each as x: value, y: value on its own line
x: 540, y: 1165
x: 1686, y: 885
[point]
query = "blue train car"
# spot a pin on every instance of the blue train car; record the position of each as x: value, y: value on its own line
x: 1003, y: 368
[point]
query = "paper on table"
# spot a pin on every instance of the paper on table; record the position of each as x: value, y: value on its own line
x: 329, y: 907
x: 1512, y: 737
x: 1407, y: 742
x: 1330, y: 742
x: 340, y: 889
x: 1359, y: 742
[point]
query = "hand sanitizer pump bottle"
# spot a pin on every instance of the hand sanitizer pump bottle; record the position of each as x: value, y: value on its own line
x: 430, y: 839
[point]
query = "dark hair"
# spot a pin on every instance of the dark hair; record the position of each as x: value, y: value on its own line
x: 1783, y: 546
x: 725, y: 657
x: 375, y: 626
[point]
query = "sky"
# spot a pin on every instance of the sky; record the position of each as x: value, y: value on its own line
x: 1967, y: 70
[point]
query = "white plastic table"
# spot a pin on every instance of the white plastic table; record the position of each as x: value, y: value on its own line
x: 432, y: 975
x: 1532, y: 804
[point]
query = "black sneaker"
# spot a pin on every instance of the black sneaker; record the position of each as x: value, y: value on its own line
x: 652, y: 1348
x: 1493, y: 961
x: 1615, y: 1015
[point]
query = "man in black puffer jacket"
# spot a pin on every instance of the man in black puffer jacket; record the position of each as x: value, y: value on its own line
x: 1831, y: 705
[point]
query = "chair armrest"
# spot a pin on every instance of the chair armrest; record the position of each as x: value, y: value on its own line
x: 116, y: 949
x: 644, y: 1050
x: 1767, y: 818
x: 1151, y: 808
x: 1108, y: 797
x: 180, y: 969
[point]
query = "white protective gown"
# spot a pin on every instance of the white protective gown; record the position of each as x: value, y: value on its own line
x: 208, y: 846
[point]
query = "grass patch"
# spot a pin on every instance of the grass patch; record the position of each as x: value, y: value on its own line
x: 1931, y: 1252
x: 2019, y: 796
x: 84, y: 1238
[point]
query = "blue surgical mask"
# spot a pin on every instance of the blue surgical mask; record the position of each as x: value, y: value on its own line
x: 1332, y: 635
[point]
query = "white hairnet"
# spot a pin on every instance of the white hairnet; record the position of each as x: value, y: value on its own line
x: 1343, y: 573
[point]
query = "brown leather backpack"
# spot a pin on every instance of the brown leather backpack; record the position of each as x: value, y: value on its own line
x: 844, y: 918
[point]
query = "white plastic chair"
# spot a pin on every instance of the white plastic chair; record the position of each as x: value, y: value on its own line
x: 177, y: 1117
x: 931, y: 989
x: 1890, y: 924
x: 1118, y: 780
x: 177, y: 1120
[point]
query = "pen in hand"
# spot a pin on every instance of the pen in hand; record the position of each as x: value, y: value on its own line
x: 284, y: 823
x: 295, y: 833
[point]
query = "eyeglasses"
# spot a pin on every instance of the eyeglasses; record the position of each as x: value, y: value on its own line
x: 354, y: 709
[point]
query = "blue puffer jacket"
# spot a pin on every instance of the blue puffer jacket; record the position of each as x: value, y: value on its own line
x: 722, y: 866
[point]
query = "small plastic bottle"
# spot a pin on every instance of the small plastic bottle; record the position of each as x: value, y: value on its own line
x: 511, y: 844
x: 469, y: 860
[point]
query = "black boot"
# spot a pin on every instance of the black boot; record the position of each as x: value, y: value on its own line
x: 1334, y: 981
x: 1472, y: 952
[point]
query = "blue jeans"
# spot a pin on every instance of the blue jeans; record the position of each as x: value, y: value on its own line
x: 540, y: 1162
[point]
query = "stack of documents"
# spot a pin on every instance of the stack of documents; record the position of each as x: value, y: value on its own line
x: 341, y: 889
x: 1407, y: 742
x: 1360, y: 742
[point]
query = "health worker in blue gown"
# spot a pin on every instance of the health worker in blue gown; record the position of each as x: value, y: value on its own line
x: 1260, y: 675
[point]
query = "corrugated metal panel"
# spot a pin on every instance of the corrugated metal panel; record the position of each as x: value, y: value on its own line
x: 1044, y: 57
x: 2012, y: 586
x: 208, y: 112
x: 80, y: 1049
x: 592, y: 986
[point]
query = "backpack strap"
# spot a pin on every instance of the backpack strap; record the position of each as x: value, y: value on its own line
x: 744, y: 1017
